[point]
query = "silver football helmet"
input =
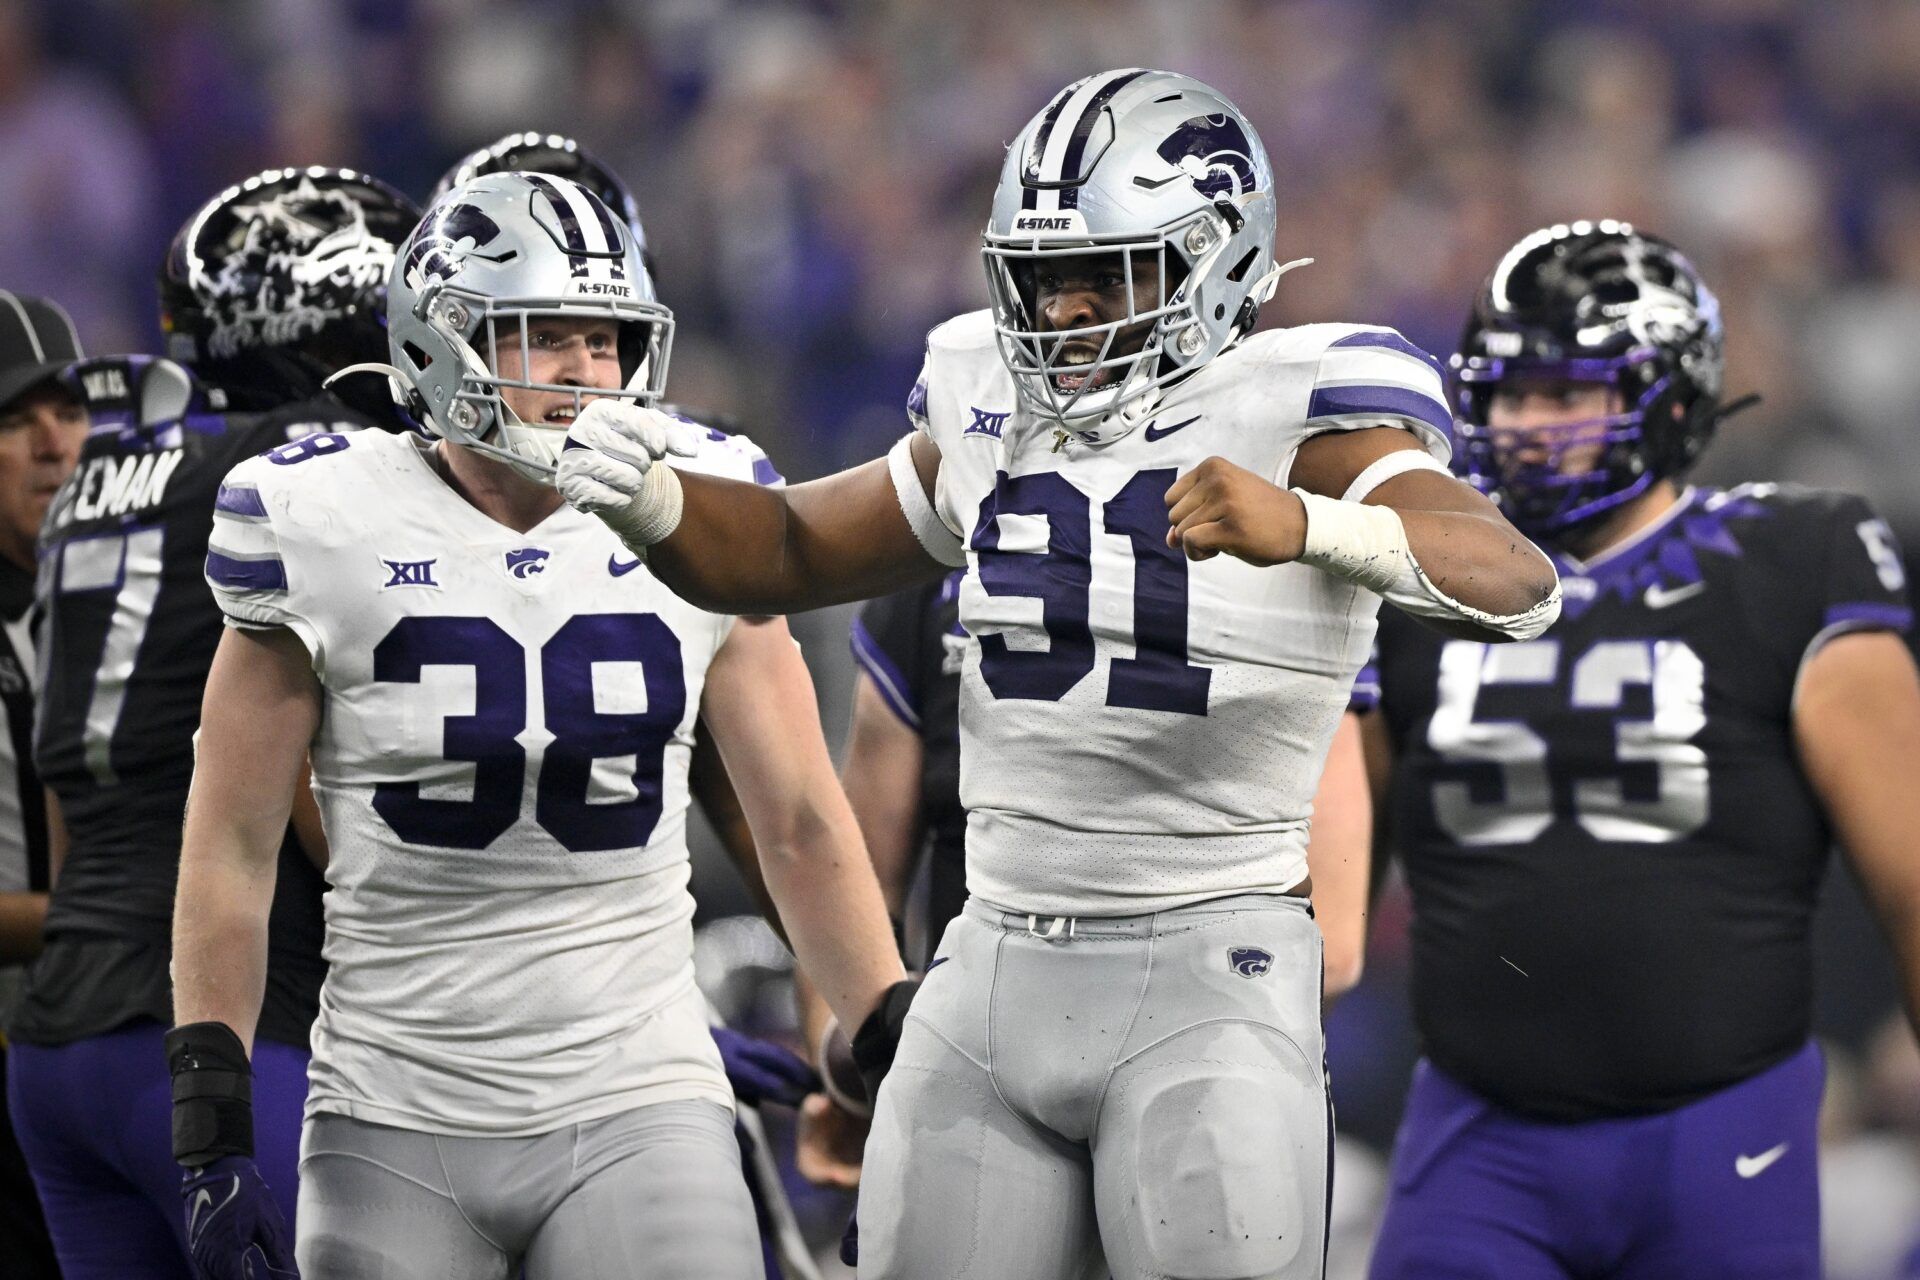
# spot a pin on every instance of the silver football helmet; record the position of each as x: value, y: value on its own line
x: 491, y: 256
x: 1130, y: 162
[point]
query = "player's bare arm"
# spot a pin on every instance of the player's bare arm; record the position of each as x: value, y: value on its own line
x: 1856, y: 723
x: 712, y: 788
x: 760, y: 705
x: 261, y: 709
x: 1462, y: 546
x: 882, y: 779
x: 740, y: 548
x: 881, y: 775
x: 1339, y: 859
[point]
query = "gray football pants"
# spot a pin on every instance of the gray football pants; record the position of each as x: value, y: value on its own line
x: 1150, y: 1088
x: 655, y: 1193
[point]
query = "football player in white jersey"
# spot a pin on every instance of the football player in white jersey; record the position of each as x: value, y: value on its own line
x: 511, y: 1064
x: 1117, y: 1048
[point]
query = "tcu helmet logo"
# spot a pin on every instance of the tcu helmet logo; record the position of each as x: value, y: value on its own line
x: 449, y: 236
x: 527, y: 561
x: 1215, y: 152
x: 1249, y: 962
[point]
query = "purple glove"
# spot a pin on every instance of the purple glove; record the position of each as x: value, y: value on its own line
x: 850, y: 1238
x: 761, y: 1071
x: 234, y: 1228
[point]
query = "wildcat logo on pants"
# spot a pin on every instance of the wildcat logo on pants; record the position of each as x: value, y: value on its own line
x: 1249, y: 962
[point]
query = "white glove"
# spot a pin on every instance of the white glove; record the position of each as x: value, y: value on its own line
x: 607, y: 468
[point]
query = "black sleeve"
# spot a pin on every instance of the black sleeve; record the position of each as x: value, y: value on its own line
x: 886, y: 645
x: 1863, y: 583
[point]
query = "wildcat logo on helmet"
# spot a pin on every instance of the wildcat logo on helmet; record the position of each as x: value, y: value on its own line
x: 448, y: 238
x: 1215, y: 152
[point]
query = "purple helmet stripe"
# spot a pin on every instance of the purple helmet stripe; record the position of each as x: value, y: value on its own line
x: 612, y: 233
x: 1030, y: 194
x: 1083, y: 129
x: 569, y: 222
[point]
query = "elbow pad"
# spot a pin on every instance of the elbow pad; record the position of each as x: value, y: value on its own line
x: 1368, y: 547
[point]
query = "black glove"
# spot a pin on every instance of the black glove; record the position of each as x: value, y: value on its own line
x: 878, y: 1038
x: 234, y: 1227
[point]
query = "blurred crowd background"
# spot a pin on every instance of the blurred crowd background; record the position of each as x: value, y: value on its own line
x: 814, y: 175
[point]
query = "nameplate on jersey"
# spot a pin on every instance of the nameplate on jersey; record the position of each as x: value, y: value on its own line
x: 108, y: 487
x: 409, y: 573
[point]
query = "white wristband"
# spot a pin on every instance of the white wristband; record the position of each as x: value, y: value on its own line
x: 1399, y: 462
x: 939, y: 541
x: 1367, y: 545
x: 652, y: 514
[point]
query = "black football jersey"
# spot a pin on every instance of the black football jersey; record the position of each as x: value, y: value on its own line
x: 911, y: 645
x: 128, y: 631
x: 1613, y: 854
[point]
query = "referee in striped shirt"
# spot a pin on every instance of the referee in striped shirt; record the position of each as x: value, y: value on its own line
x: 42, y: 426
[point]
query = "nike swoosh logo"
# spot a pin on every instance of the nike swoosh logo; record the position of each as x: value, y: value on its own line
x: 203, y: 1202
x: 935, y: 963
x: 619, y: 570
x: 1754, y: 1166
x: 1666, y: 597
x: 1157, y: 432
x: 1154, y: 184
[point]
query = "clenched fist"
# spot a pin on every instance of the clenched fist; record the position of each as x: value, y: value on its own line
x: 607, y: 468
x: 1219, y: 507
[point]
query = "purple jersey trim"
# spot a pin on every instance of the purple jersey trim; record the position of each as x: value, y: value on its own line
x: 1869, y: 614
x: 887, y: 678
x: 247, y: 575
x: 1390, y: 341
x: 240, y: 500
x: 1398, y: 402
x: 1366, y: 689
x: 764, y: 472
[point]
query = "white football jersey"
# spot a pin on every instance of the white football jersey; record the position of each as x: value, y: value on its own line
x: 1139, y: 731
x: 501, y: 768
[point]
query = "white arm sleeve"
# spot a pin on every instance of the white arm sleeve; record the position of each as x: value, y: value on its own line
x: 938, y: 540
x: 1368, y: 546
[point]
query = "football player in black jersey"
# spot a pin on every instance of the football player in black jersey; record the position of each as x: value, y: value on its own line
x: 1615, y: 834
x: 271, y: 285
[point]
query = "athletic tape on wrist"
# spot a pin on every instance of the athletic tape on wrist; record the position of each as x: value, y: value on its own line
x: 938, y: 540
x: 653, y: 513
x: 1367, y: 545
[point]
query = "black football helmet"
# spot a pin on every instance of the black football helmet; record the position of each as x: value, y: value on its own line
x: 556, y: 154
x: 1593, y: 302
x: 289, y: 261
